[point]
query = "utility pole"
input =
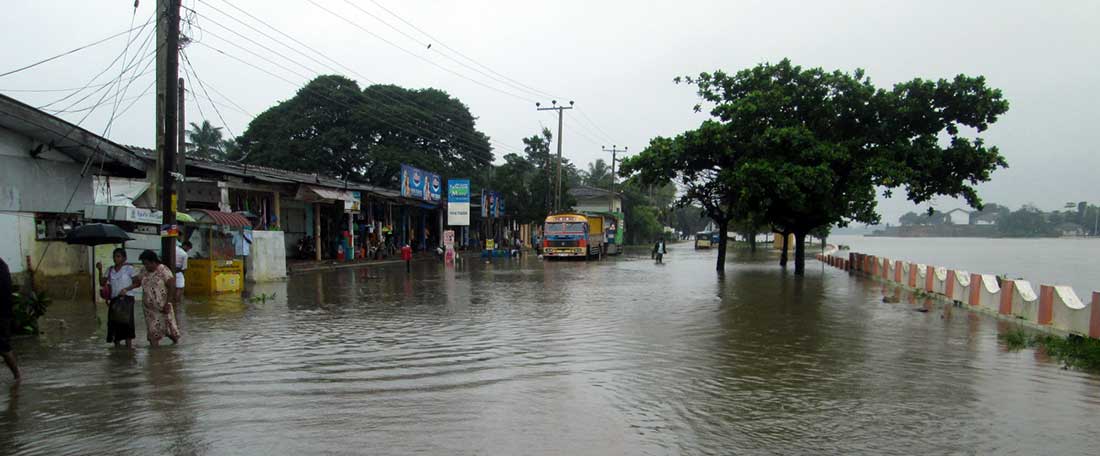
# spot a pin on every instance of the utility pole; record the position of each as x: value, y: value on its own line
x: 168, y: 34
x: 181, y: 150
x: 614, y: 154
x: 559, y: 109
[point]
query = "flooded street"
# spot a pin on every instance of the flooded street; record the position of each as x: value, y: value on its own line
x: 525, y: 357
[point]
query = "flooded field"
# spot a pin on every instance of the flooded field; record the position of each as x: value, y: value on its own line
x: 525, y: 357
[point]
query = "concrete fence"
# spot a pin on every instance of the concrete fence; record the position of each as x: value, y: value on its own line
x: 1056, y: 307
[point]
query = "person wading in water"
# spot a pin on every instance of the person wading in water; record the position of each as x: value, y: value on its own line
x: 120, y: 305
x: 158, y: 288
x: 7, y: 320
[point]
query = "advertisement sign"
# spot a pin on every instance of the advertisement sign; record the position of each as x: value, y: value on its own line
x: 458, y: 202
x: 355, y: 203
x: 492, y: 204
x: 421, y: 185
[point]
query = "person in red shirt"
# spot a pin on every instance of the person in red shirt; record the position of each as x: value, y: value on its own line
x: 407, y: 255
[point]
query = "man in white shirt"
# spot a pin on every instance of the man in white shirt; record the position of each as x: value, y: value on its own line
x: 181, y: 265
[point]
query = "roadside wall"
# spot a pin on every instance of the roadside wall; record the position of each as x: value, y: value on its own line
x: 266, y: 261
x: 1053, y: 307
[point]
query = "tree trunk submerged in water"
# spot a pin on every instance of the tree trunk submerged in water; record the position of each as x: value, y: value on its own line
x: 783, y: 252
x: 800, y: 254
x: 723, y: 238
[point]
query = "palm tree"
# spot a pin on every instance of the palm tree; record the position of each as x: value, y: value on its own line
x: 598, y: 174
x: 206, y: 141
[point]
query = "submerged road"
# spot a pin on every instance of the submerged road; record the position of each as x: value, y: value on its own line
x: 525, y: 357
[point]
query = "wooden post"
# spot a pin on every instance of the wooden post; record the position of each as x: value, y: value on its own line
x: 276, y: 206
x: 976, y: 285
x: 1046, y: 304
x: 1007, y: 288
x: 317, y: 231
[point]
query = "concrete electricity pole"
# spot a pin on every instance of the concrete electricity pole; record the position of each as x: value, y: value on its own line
x: 168, y: 34
x: 611, y: 188
x: 181, y: 150
x: 559, y: 109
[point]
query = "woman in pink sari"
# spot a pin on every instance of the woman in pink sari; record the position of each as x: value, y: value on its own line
x: 158, y: 286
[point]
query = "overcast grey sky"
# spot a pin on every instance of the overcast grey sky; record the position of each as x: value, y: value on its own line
x: 616, y: 59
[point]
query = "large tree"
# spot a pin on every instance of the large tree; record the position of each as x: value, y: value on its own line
x: 700, y: 162
x: 332, y: 127
x: 806, y: 148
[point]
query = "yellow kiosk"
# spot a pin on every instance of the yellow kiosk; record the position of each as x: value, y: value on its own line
x: 213, y: 265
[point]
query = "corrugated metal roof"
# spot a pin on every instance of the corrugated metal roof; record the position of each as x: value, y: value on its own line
x: 63, y: 136
x: 223, y: 218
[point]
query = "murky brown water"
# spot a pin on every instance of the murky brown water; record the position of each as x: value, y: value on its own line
x: 619, y: 357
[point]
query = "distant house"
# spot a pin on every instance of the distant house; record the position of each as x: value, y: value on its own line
x: 1071, y: 229
x: 958, y: 216
x: 592, y: 199
x: 983, y: 218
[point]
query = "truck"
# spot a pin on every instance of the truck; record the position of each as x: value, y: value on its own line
x: 572, y: 235
x: 612, y: 223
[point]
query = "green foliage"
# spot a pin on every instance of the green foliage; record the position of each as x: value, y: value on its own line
x: 206, y: 141
x: 643, y: 225
x: 1025, y: 222
x: 598, y: 174
x: 527, y: 182
x: 1072, y: 351
x: 332, y: 127
x: 805, y: 148
x: 29, y: 307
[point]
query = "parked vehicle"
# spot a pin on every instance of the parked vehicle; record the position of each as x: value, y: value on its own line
x: 569, y: 235
x: 703, y: 240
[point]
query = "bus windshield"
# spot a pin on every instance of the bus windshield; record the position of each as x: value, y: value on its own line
x: 568, y: 227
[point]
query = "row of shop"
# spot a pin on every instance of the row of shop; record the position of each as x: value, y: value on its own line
x: 56, y: 176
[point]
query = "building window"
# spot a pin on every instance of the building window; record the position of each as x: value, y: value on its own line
x: 55, y: 227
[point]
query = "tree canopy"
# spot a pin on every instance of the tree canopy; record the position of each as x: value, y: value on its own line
x: 205, y: 141
x: 331, y: 126
x: 805, y: 148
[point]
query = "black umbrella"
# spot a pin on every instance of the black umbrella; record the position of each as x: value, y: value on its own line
x: 97, y: 234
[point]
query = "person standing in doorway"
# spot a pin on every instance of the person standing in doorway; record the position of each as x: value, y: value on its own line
x: 120, y: 306
x: 407, y: 256
x: 157, y: 289
x: 7, y: 320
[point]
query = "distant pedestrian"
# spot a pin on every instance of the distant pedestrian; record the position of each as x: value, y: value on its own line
x: 7, y: 321
x: 120, y: 305
x: 659, y: 251
x: 182, y: 253
x: 158, y: 287
x: 407, y: 256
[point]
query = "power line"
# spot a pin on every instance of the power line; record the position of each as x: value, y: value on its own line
x: 445, y: 46
x: 86, y: 46
x: 203, y: 87
x: 90, y: 81
x: 422, y: 109
x: 459, y: 141
x: 70, y: 89
x: 463, y: 64
x: 604, y: 133
x: 418, y: 56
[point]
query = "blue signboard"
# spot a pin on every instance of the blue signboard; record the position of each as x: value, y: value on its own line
x: 420, y: 184
x: 458, y: 202
x: 492, y: 204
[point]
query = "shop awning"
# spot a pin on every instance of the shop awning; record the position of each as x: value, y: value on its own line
x: 221, y: 218
x: 312, y: 194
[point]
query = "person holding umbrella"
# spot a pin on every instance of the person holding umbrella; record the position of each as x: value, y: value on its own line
x: 120, y: 283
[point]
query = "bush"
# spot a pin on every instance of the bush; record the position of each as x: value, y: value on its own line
x: 28, y: 309
x: 1072, y: 351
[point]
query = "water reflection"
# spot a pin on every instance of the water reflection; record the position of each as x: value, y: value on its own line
x: 523, y: 357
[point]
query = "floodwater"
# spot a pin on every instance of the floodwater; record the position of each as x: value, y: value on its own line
x: 1050, y: 261
x: 524, y: 357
